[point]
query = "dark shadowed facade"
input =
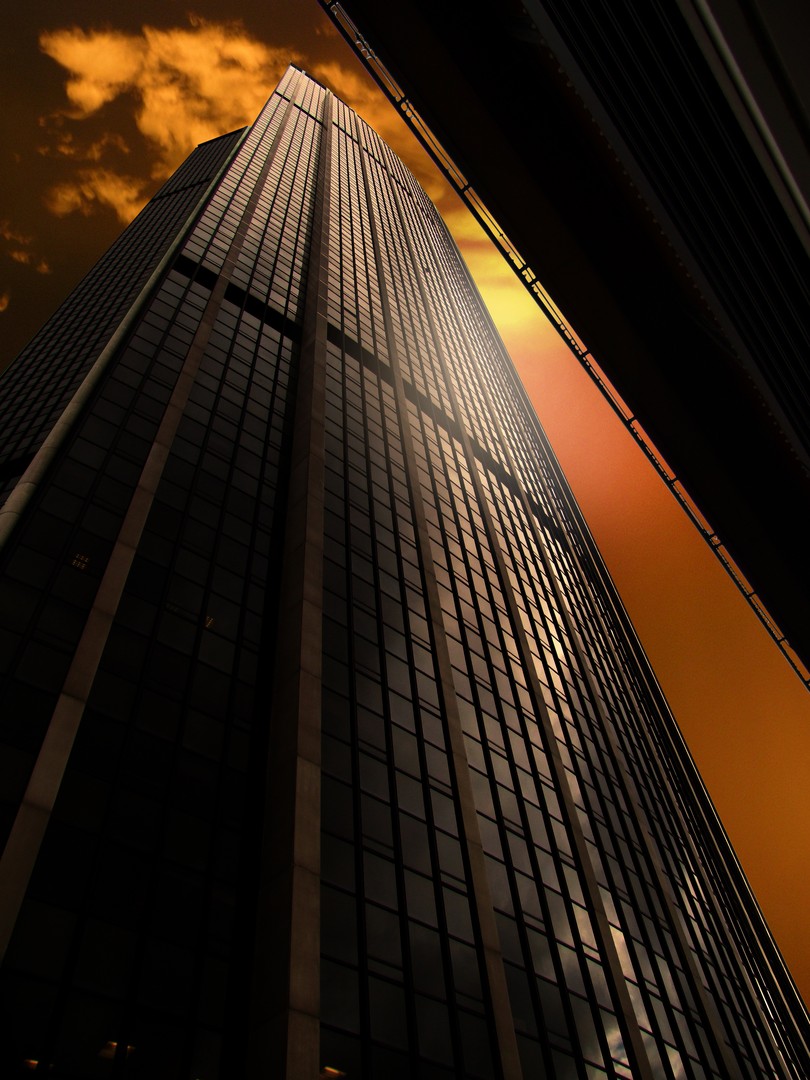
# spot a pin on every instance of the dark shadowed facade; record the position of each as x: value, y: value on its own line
x: 331, y: 748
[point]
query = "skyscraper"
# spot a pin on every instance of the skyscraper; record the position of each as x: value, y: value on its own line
x: 333, y: 750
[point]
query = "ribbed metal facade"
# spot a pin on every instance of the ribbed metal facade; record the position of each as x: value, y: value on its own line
x: 332, y: 746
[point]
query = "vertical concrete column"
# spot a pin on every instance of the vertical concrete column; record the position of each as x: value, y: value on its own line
x: 284, y: 1033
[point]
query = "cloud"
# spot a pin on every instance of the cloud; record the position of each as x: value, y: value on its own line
x: 102, y: 64
x: 184, y: 85
x: 12, y: 234
x: 92, y: 189
x: 326, y: 28
x: 66, y: 145
x: 187, y: 84
x: 19, y: 247
x: 5, y: 300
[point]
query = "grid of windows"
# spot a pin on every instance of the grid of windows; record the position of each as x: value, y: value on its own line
x: 393, y: 863
x: 140, y: 963
x: 567, y: 601
x: 562, y: 598
x: 514, y: 879
x: 35, y: 389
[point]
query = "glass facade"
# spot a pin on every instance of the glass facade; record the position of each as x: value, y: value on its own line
x: 330, y: 750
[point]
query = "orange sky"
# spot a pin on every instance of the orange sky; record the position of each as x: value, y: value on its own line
x: 99, y: 111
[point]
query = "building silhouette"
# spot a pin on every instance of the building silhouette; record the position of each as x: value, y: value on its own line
x: 645, y: 170
x: 331, y: 750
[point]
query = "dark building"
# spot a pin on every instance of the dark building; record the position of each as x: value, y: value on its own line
x: 330, y: 748
x: 646, y: 166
